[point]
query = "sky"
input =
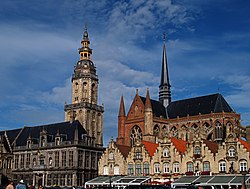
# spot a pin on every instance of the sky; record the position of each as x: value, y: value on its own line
x: 208, y: 51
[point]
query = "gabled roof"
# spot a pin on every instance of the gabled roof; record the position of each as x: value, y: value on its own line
x: 124, y: 150
x: 157, y: 107
x: 11, y: 134
x: 65, y: 129
x: 198, y: 105
x: 212, y: 146
x: 245, y: 144
x: 150, y: 147
x: 179, y: 144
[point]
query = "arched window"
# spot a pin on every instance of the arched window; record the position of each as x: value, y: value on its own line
x: 157, y: 168
x: 166, y: 168
x: 85, y: 91
x: 135, y: 134
x: 218, y: 128
x: 165, y: 152
x: 173, y: 131
x: 93, y: 91
x: 130, y: 169
x: 190, y: 167
x: 231, y: 152
x: 146, y: 168
x: 116, y: 170
x: 176, y: 167
x: 164, y: 130
x: 206, y: 166
x: 105, y: 170
x: 50, y: 161
x: 243, y: 165
x: 138, y: 168
x: 197, y: 150
x: 222, y: 166
x: 111, y: 155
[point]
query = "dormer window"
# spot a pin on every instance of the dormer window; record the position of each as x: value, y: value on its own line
x: 57, y: 141
x: 29, y: 144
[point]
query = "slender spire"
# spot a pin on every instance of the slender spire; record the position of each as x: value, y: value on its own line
x: 122, y: 108
x: 164, y: 88
x: 148, y: 102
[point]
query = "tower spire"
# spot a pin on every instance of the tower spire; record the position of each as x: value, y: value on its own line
x: 122, y: 108
x: 164, y: 88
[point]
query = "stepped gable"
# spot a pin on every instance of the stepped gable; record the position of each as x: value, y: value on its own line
x: 179, y: 144
x: 150, y: 147
x: 245, y: 144
x: 124, y: 150
x: 198, y: 105
x: 157, y: 107
x: 11, y: 134
x: 212, y: 146
x: 66, y: 129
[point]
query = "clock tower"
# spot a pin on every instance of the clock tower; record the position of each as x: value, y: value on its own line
x: 84, y: 105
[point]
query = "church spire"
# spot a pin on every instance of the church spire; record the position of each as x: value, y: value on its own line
x: 148, y: 102
x: 122, y: 108
x: 164, y: 88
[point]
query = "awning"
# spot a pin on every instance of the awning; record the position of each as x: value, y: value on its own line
x: 117, y: 181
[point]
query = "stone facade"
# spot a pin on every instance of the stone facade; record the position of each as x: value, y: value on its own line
x: 168, y: 139
x: 66, y: 153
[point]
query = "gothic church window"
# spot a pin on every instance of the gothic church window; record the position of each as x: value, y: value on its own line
x: 135, y: 135
x: 164, y: 130
x: 218, y: 128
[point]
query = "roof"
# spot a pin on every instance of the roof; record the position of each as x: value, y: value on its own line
x: 198, y: 105
x: 11, y: 134
x: 212, y: 146
x: 179, y: 144
x: 150, y: 147
x: 245, y: 144
x: 65, y: 129
x: 157, y: 107
x: 124, y: 150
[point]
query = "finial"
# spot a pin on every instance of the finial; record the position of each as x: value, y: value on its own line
x: 164, y: 37
x: 85, y: 26
x: 85, y: 34
x: 137, y: 91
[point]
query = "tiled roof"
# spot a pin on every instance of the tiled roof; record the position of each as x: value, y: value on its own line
x: 124, y: 150
x: 245, y: 144
x: 157, y: 107
x: 150, y: 147
x: 199, y: 105
x: 11, y: 134
x: 211, y: 146
x: 179, y: 144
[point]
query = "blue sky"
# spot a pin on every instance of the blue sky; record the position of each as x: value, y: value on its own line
x: 208, y: 49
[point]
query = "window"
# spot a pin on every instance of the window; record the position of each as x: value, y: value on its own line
x: 176, y: 167
x: 231, y: 152
x: 62, y: 180
x: 166, y: 168
x: 243, y: 165
x: 69, y: 179
x: 49, y: 179
x: 87, y: 158
x: 116, y: 170
x: 56, y: 159
x: 63, y: 158
x: 111, y: 155
x: 146, y: 168
x: 16, y: 161
x: 190, y: 167
x: 130, y: 169
x: 156, y: 130
x: 222, y: 166
x: 197, y: 150
x: 105, y: 170
x: 157, y: 168
x: 50, y: 161
x: 135, y: 134
x: 80, y: 158
x: 34, y: 162
x: 138, y: 154
x: 71, y: 160
x: 137, y: 168
x: 28, y: 161
x: 22, y: 161
x: 206, y: 166
x: 165, y: 152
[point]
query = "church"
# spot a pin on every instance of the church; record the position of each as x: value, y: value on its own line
x: 65, y: 153
x: 166, y: 139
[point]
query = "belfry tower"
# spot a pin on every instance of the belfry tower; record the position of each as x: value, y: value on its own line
x: 164, y: 88
x: 84, y: 94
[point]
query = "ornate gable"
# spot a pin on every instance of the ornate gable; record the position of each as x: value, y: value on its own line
x: 136, y: 109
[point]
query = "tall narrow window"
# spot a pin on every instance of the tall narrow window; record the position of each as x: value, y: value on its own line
x: 176, y: 167
x: 63, y: 158
x: 146, y: 168
x: 243, y: 165
x: 71, y: 160
x: 206, y: 166
x: 157, y: 168
x: 130, y: 169
x: 28, y: 161
x: 56, y: 159
x: 190, y: 167
x: 166, y: 168
x: 222, y: 166
x: 138, y: 168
